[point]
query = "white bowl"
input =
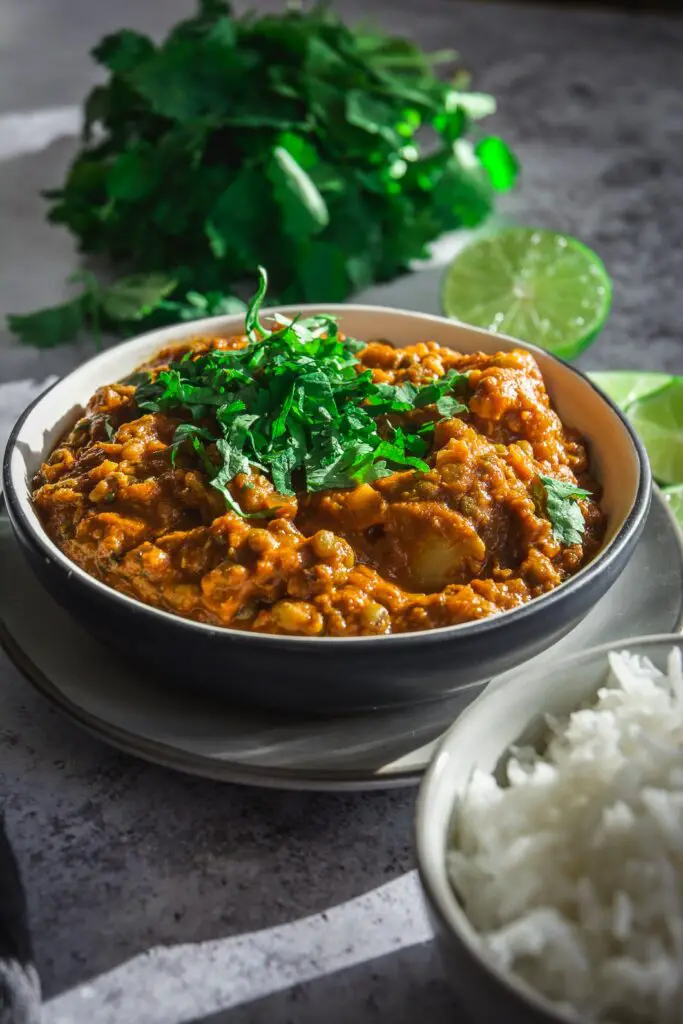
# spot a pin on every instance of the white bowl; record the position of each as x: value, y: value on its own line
x: 510, y: 714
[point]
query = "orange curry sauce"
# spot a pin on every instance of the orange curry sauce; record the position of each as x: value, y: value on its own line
x: 411, y: 551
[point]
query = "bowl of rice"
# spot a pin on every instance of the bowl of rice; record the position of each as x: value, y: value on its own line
x: 550, y: 842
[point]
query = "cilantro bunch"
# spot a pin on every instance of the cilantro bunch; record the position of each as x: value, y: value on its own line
x: 334, y: 155
x: 293, y: 405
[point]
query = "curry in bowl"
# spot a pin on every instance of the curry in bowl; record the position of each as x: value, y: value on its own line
x: 291, y: 480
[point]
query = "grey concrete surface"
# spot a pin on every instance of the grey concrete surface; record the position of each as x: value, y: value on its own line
x: 157, y: 898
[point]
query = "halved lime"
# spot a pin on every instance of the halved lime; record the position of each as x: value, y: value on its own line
x: 658, y: 420
x: 536, y: 285
x: 674, y: 499
x: 627, y: 386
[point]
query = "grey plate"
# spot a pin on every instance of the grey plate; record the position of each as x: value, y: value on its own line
x: 206, y: 737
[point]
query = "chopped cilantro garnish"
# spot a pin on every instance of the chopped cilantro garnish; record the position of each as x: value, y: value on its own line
x: 294, y: 405
x: 564, y: 514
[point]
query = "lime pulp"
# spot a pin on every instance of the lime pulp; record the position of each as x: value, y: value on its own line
x: 529, y: 283
x: 658, y: 420
x: 628, y: 386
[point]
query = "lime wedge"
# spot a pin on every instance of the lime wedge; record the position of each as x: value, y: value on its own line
x: 674, y: 499
x: 536, y: 285
x: 658, y: 420
x: 626, y: 386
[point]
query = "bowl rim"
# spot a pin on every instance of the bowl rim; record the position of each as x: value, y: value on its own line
x: 479, y: 628
x: 431, y: 867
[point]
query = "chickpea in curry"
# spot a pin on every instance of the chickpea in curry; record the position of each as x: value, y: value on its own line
x: 468, y: 536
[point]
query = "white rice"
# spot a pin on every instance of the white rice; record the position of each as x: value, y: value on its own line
x: 572, y: 870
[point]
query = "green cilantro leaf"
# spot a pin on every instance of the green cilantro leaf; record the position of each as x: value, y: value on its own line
x: 185, y: 432
x: 437, y: 393
x: 135, y: 297
x: 499, y: 162
x: 133, y: 175
x: 49, y: 327
x: 123, y: 50
x: 447, y: 406
x: 564, y: 514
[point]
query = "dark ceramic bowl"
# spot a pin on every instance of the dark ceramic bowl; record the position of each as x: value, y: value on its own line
x: 321, y: 675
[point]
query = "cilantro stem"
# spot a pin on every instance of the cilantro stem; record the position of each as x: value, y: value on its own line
x: 251, y: 320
